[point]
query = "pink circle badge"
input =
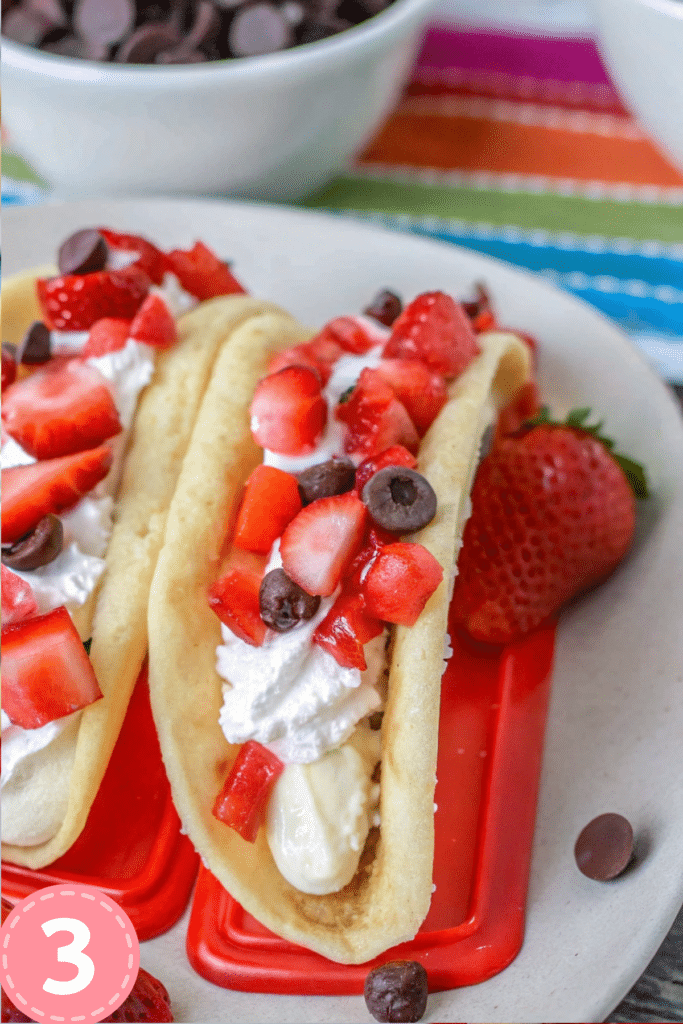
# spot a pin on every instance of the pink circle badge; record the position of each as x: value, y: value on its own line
x: 69, y: 953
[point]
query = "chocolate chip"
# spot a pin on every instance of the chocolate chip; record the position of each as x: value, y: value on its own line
x: 337, y: 476
x: 481, y: 304
x: 181, y: 55
x: 25, y: 26
x: 146, y: 43
x: 35, y: 345
x: 385, y: 307
x: 259, y: 28
x: 399, y: 499
x: 104, y: 21
x: 283, y: 603
x: 40, y: 547
x: 605, y: 847
x: 397, y: 991
x: 83, y: 252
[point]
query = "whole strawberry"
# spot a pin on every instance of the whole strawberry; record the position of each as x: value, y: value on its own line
x: 553, y: 513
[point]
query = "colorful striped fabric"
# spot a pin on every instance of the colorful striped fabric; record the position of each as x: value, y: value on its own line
x: 518, y: 146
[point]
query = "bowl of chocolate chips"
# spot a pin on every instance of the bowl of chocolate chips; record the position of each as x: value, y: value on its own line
x: 262, y: 99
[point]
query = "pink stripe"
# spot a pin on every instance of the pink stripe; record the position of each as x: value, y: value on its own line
x: 563, y: 60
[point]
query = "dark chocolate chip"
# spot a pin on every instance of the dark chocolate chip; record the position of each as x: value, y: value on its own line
x: 605, y: 847
x: 82, y: 253
x: 259, y: 28
x: 337, y: 476
x: 40, y: 547
x: 25, y: 26
x: 283, y: 603
x: 146, y: 43
x: 399, y: 499
x: 104, y: 21
x: 35, y: 345
x: 205, y: 26
x: 397, y: 991
x: 181, y: 55
x: 481, y: 304
x: 385, y: 307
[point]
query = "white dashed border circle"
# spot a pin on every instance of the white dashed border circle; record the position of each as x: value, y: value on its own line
x: 14, y: 919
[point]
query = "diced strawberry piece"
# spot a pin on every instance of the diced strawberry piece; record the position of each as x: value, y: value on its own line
x: 46, y: 673
x: 235, y: 600
x: 150, y: 259
x: 242, y: 801
x: 375, y: 418
x: 483, y: 321
x: 322, y: 540
x: 345, y: 629
x: 154, y: 324
x: 395, y: 455
x: 421, y: 390
x: 288, y: 412
x: 18, y: 601
x: 399, y: 582
x: 349, y: 334
x: 9, y: 366
x: 271, y: 500
x: 319, y: 354
x: 73, y: 302
x: 30, y: 492
x: 524, y: 406
x: 202, y: 273
x: 64, y: 407
x: 435, y: 329
x: 106, y: 335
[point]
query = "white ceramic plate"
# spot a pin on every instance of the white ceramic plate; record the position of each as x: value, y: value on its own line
x: 616, y: 717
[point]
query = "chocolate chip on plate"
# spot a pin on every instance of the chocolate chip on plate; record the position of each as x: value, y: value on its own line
x: 83, y: 252
x: 283, y: 603
x: 40, y: 547
x: 399, y: 499
x: 604, y: 848
x: 35, y: 345
x: 336, y: 476
x: 397, y: 991
x: 146, y: 43
x: 385, y: 307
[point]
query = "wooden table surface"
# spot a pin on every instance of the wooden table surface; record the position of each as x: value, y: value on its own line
x: 658, y: 995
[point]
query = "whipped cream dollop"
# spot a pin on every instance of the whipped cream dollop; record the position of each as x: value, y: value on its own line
x: 319, y: 814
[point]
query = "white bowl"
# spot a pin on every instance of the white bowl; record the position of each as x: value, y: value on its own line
x: 271, y: 127
x: 642, y: 43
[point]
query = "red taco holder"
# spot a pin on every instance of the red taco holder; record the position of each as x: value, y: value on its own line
x: 131, y: 847
x: 491, y: 731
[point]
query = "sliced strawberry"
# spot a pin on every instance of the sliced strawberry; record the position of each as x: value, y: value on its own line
x: 349, y: 334
x: 375, y: 418
x: 18, y: 601
x: 150, y: 259
x: 345, y: 629
x: 319, y: 354
x: 435, y: 329
x: 73, y: 302
x: 154, y: 324
x: 271, y: 500
x: 395, y: 455
x: 288, y: 412
x: 9, y: 365
x: 46, y: 673
x: 241, y: 803
x: 421, y: 390
x: 399, y: 582
x: 322, y: 540
x: 64, y: 407
x: 235, y: 600
x: 201, y: 273
x: 30, y: 492
x: 106, y: 335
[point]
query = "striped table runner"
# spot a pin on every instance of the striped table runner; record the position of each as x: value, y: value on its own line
x: 519, y: 147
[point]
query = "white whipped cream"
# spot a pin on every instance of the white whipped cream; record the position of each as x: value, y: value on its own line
x: 18, y: 743
x: 319, y: 814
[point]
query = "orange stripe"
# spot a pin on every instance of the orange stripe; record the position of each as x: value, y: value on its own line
x: 476, y: 144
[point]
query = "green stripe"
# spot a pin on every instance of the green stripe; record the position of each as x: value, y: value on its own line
x: 640, y: 221
x: 14, y: 167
